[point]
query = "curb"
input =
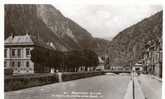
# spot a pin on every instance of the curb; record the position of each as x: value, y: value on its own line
x: 137, y: 89
x: 128, y: 94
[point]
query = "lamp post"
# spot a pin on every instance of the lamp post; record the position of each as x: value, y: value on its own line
x: 133, y: 72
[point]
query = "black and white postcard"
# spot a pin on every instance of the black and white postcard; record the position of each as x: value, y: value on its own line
x: 83, y: 51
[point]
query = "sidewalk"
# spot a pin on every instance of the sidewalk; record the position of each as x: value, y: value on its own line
x: 152, y: 76
x: 151, y: 86
x: 157, y: 78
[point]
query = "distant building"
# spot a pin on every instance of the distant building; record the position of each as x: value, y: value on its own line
x: 17, y: 54
x: 101, y: 64
x: 116, y: 68
x: 137, y: 67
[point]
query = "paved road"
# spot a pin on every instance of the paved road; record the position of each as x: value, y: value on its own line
x: 152, y: 88
x: 100, y: 87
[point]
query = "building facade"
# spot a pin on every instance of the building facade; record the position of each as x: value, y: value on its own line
x: 17, y: 55
x: 153, y: 57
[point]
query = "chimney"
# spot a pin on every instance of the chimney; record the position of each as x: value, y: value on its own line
x: 27, y: 34
x: 12, y: 35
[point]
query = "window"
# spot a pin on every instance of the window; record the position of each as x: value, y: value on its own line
x: 5, y: 53
x: 13, y: 52
x: 27, y: 64
x: 19, y: 52
x: 19, y: 64
x: 5, y: 64
x: 27, y: 51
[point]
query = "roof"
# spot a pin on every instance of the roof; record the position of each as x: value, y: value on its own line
x: 19, y: 40
x: 26, y: 40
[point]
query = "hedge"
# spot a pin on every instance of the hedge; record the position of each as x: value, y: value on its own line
x: 26, y: 81
x: 74, y: 76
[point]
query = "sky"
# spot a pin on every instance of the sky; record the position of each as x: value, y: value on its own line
x: 105, y: 20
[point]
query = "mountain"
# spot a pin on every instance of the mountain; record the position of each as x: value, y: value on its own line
x: 128, y: 45
x: 102, y: 46
x: 47, y: 23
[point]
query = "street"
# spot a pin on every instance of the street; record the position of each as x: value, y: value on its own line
x: 110, y: 86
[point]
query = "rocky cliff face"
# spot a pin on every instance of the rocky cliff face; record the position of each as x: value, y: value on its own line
x: 22, y: 19
x: 102, y: 46
x: 128, y: 45
x: 47, y: 23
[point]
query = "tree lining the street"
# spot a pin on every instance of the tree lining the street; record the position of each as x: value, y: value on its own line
x: 70, y: 61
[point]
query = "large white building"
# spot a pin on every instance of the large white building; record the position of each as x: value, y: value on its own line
x: 17, y: 53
